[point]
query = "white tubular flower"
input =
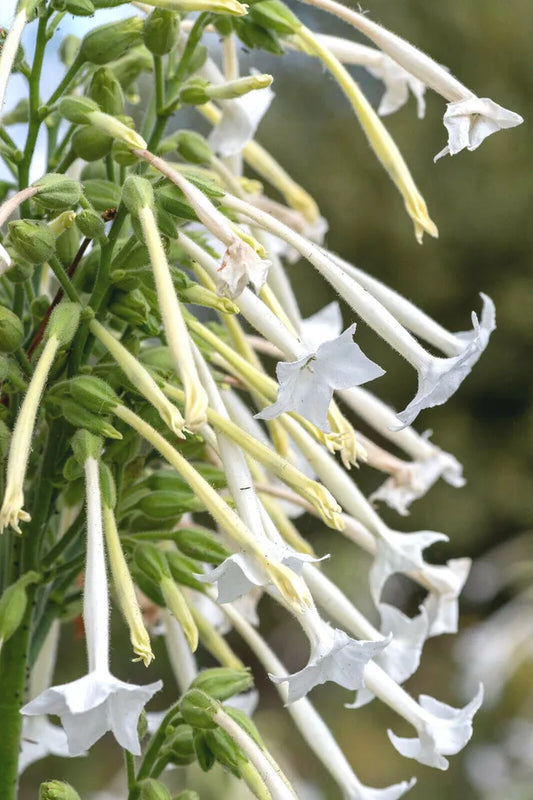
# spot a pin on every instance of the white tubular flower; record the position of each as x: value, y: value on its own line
x: 241, y: 263
x: 438, y: 378
x: 312, y: 727
x: 98, y: 702
x: 10, y: 47
x: 442, y: 730
x: 398, y: 82
x: 306, y: 386
x: 335, y: 656
x: 39, y: 737
x: 383, y: 419
x: 240, y: 117
x: 468, y: 118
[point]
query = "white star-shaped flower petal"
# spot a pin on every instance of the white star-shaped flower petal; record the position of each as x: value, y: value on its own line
x: 443, y: 731
x: 336, y: 657
x: 441, y: 605
x: 240, y: 572
x: 306, y: 386
x: 442, y: 377
x: 393, y: 792
x: 416, y: 478
x: 471, y: 120
x: 41, y: 739
x: 93, y: 705
x: 240, y: 266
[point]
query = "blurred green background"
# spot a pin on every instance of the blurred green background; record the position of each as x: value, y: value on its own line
x: 482, y: 204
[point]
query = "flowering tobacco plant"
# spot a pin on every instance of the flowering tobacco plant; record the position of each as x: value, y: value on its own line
x: 142, y: 290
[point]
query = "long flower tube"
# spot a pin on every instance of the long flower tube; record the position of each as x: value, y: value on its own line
x: 469, y: 119
x: 138, y: 196
x: 438, y: 378
x: 295, y: 595
x: 61, y: 329
x: 98, y: 702
x: 11, y: 44
x: 311, y: 726
x: 379, y: 138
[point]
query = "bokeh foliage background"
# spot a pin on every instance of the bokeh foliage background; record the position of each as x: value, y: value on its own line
x: 482, y: 205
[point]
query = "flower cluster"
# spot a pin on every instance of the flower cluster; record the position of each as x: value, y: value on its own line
x: 123, y: 413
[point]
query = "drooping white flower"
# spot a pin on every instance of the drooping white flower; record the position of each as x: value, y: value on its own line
x: 468, y: 118
x: 439, y: 378
x: 240, y: 266
x: 443, y: 731
x: 98, y: 702
x: 240, y: 572
x: 306, y: 386
x: 41, y: 739
x: 414, y: 479
x: 335, y: 656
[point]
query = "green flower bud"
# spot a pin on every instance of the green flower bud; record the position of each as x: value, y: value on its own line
x: 150, y: 789
x: 275, y: 15
x: 39, y: 307
x: 238, y: 87
x: 72, y: 469
x: 142, y: 725
x: 128, y: 68
x: 17, y: 115
x: 204, y: 754
x: 67, y: 245
x: 107, y: 91
x: 193, y: 147
x: 225, y: 750
x: 11, y: 331
x: 111, y: 41
x: 122, y: 154
x: 124, y: 280
x: 69, y: 49
x: 33, y: 240
x: 86, y: 445
x: 137, y: 193
x: 80, y: 8
x: 180, y: 746
x: 91, y: 144
x: 64, y: 322
x: 201, y: 545
x: 198, y: 709
x: 57, y: 790
x: 101, y: 194
x: 194, y: 92
x: 183, y: 570
x: 162, y: 505
x: 76, y: 109
x: 94, y: 394
x: 107, y: 486
x: 198, y: 59
x: 13, y: 605
x: 90, y: 224
x: 187, y: 794
x: 81, y: 418
x: 223, y: 682
x: 57, y: 192
x: 151, y: 560
x: 161, y: 31
x: 20, y: 271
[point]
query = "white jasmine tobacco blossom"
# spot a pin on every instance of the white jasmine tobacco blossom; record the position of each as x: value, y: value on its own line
x: 469, y: 119
x: 98, y: 702
x: 306, y: 386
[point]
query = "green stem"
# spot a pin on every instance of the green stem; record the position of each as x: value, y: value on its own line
x: 130, y: 769
x: 68, y: 77
x: 64, y: 282
x: 34, y: 116
x: 155, y: 745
